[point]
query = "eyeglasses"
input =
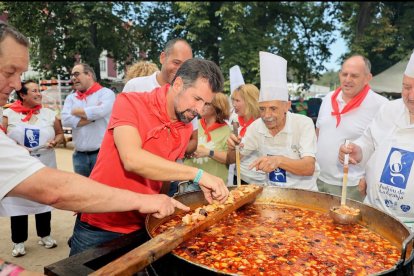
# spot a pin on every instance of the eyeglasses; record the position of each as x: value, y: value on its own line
x: 76, y: 74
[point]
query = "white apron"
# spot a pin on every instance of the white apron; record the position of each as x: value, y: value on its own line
x: 282, y: 178
x: 390, y: 175
x: 249, y: 176
x: 32, y: 137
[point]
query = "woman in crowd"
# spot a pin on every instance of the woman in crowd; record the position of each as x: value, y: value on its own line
x: 38, y: 130
x: 245, y: 102
x: 140, y: 69
x: 213, y: 132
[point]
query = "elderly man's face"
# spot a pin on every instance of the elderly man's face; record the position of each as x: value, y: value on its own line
x: 408, y: 93
x: 273, y: 114
x: 14, y: 60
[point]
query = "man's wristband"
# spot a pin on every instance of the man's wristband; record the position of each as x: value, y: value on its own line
x: 198, y: 176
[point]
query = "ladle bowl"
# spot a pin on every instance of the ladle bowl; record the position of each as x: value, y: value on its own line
x: 344, y: 218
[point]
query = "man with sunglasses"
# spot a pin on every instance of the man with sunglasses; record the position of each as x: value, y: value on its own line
x: 87, y: 112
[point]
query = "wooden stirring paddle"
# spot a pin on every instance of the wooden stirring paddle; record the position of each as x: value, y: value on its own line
x: 152, y: 250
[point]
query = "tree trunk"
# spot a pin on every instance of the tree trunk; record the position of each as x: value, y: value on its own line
x: 364, y: 16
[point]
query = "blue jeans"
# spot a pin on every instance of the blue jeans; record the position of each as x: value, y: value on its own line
x: 83, y: 163
x: 86, y: 236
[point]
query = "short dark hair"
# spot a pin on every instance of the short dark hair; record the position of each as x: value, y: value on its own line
x: 170, y: 45
x: 88, y: 69
x: 8, y: 30
x: 195, y: 68
x: 23, y: 90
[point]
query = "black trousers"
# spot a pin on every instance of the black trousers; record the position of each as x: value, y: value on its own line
x: 19, y: 226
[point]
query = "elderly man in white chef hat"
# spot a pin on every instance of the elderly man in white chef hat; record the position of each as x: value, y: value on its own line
x: 285, y: 142
x: 386, y: 149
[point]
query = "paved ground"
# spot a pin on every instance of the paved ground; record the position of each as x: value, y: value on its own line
x: 37, y: 257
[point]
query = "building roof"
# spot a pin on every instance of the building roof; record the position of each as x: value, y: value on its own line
x: 390, y: 80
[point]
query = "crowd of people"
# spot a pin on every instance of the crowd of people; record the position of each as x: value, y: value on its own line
x: 128, y: 148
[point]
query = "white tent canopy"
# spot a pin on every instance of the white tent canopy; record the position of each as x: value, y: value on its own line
x: 390, y: 80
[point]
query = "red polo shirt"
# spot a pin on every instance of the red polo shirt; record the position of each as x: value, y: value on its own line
x: 147, y: 112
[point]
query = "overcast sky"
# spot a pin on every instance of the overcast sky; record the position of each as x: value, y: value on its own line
x: 337, y: 49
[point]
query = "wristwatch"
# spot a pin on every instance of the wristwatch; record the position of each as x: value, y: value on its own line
x: 211, y: 154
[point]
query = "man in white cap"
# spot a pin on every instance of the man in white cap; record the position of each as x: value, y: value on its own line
x: 344, y: 114
x: 386, y: 150
x: 285, y: 141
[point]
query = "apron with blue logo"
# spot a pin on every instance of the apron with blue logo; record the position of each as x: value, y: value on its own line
x: 280, y: 177
x: 32, y: 137
x: 389, y: 175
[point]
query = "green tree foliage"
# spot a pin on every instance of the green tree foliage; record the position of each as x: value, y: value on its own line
x: 61, y: 32
x: 231, y: 33
x: 228, y: 33
x: 329, y: 79
x: 382, y: 31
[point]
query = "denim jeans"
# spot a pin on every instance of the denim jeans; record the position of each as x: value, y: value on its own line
x: 83, y: 163
x: 86, y: 236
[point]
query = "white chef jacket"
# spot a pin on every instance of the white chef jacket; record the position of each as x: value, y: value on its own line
x: 388, y: 152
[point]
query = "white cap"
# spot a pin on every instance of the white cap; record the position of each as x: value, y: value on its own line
x: 409, y: 71
x: 273, y: 81
x: 236, y: 78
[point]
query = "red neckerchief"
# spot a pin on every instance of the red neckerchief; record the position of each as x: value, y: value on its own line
x: 244, y: 125
x: 82, y: 96
x: 352, y: 104
x: 211, y: 128
x: 19, y: 108
x: 159, y: 104
x: 2, y: 129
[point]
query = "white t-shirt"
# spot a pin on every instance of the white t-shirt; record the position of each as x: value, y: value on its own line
x: 352, y: 125
x: 15, y: 164
x: 142, y: 84
x: 147, y: 84
x: 98, y: 108
x: 296, y: 140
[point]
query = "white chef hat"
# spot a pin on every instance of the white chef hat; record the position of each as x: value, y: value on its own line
x: 273, y: 81
x: 236, y: 78
x: 409, y: 71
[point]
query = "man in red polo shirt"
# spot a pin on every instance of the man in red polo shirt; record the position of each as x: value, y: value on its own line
x: 147, y: 132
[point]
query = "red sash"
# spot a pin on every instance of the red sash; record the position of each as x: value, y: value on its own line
x: 352, y: 104
x: 244, y: 125
x: 82, y: 96
x: 19, y: 108
x: 207, y: 130
x: 159, y: 104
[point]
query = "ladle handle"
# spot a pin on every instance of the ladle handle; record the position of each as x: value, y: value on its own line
x: 236, y: 132
x: 345, y: 179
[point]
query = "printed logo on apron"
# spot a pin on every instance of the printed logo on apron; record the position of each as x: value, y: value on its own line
x: 397, y: 168
x: 31, y: 137
x: 277, y: 176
